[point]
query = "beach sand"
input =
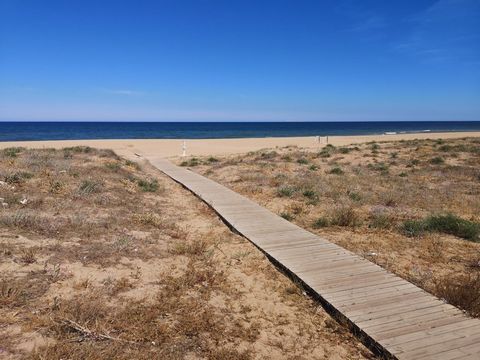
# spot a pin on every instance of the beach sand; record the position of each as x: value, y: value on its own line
x: 199, y: 147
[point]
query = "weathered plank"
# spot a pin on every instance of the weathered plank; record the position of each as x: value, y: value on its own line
x: 394, y: 316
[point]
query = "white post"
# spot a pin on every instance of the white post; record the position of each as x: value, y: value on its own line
x: 184, y: 148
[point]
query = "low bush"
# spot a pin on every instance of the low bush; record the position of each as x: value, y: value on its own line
x: 354, y: 196
x: 454, y: 225
x: 321, y: 222
x: 287, y: 216
x: 18, y: 177
x: 336, y: 171
x: 437, y: 160
x: 462, y: 291
x: 88, y: 187
x: 345, y: 216
x: 114, y: 166
x: 285, y: 191
x: 447, y: 224
x: 12, y: 151
x: 148, y: 185
x: 311, y: 194
x: 192, y: 162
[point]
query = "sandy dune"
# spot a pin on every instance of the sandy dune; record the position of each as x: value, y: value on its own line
x: 197, y: 147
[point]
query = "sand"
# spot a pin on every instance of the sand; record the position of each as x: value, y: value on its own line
x: 199, y: 147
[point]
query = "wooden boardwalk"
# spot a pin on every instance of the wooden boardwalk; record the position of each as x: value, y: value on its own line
x: 390, y: 315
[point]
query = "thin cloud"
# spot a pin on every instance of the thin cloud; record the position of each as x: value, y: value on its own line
x: 447, y: 31
x: 359, y: 17
x: 370, y: 22
x: 124, y: 92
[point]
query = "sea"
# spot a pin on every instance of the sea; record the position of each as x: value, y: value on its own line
x: 68, y: 130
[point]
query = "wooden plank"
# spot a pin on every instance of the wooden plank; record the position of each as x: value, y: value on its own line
x: 394, y: 315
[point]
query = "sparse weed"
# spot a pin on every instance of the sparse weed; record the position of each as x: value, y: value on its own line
x: 28, y: 256
x: 287, y: 216
x: 114, y: 166
x: 336, y: 171
x: 285, y: 191
x: 437, y: 160
x: 354, y: 196
x: 12, y: 151
x: 148, y: 185
x: 462, y: 291
x: 191, y: 163
x: 132, y: 164
x: 345, y: 216
x: 321, y: 222
x: 88, y: 187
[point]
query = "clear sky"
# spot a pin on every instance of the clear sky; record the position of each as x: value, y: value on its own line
x: 239, y: 60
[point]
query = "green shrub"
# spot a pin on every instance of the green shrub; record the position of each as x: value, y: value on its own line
x: 148, y: 186
x: 211, y: 159
x: 12, y: 151
x: 344, y: 150
x: 454, y: 225
x: 132, y: 164
x: 413, y: 228
x: 382, y: 167
x: 286, y: 216
x: 285, y: 191
x: 445, y: 148
x: 413, y: 162
x: 88, y: 187
x: 18, y: 177
x: 437, y: 160
x: 354, y: 196
x: 114, y: 166
x: 302, y: 161
x: 311, y: 194
x: 313, y: 167
x: 402, y: 174
x: 321, y: 222
x: 78, y: 149
x: 336, y: 171
x: 447, y: 224
x: 192, y: 162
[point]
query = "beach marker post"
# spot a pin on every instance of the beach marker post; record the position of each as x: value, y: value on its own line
x: 184, y: 148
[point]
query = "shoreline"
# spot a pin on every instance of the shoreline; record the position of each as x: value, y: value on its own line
x: 202, y: 147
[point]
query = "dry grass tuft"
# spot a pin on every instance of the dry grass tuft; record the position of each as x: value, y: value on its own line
x: 462, y: 291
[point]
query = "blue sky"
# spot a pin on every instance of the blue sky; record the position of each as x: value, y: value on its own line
x: 239, y: 60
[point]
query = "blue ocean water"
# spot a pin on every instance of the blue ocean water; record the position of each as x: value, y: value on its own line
x: 16, y: 131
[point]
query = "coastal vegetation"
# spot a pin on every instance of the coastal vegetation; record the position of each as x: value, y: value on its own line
x: 102, y: 257
x: 411, y: 206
